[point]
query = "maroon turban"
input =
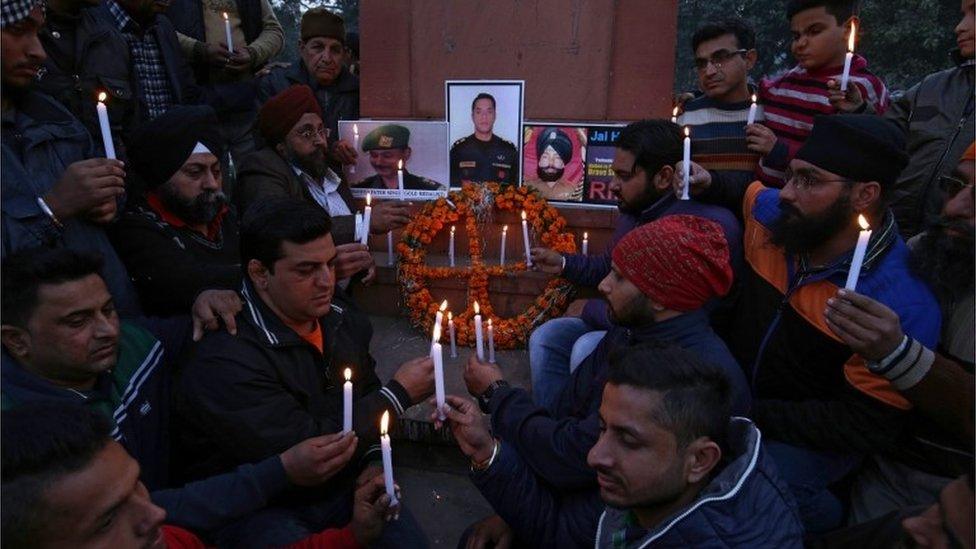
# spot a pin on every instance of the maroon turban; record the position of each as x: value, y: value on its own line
x: 678, y: 261
x: 280, y: 114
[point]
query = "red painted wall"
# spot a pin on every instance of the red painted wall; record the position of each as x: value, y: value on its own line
x: 581, y: 59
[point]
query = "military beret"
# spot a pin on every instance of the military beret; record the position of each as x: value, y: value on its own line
x: 388, y: 136
x: 322, y: 22
x: 558, y: 140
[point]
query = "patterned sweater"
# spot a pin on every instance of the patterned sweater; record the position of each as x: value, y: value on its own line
x: 718, y: 136
x: 791, y: 100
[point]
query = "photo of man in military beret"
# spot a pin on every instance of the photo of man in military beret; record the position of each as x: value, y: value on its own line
x: 387, y: 146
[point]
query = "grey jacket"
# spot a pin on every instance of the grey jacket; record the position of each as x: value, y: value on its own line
x: 937, y: 118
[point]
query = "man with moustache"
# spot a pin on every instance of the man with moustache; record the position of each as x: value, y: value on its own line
x: 939, y: 381
x: 554, y: 150
x: 534, y: 473
x: 54, y: 194
x: 483, y: 156
x: 180, y: 236
x: 389, y: 149
x: 643, y: 166
x: 816, y: 400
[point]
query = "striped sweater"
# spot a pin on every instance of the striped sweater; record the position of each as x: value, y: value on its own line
x: 790, y: 102
x: 718, y: 136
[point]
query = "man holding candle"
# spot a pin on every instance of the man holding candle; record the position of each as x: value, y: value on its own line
x: 663, y: 274
x: 54, y: 193
x: 643, y: 166
x: 815, y: 397
x: 388, y: 147
x: 279, y: 380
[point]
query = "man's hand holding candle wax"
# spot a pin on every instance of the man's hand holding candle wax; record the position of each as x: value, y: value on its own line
x: 479, y: 374
x: 845, y: 101
x: 315, y: 460
x: 389, y: 215
x: 469, y: 427
x: 699, y: 180
x: 547, y: 261
x: 88, y: 189
x: 417, y: 377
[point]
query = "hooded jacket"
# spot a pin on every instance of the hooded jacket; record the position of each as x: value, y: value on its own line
x: 744, y: 505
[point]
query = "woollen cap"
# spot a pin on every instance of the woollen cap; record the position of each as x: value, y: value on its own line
x: 322, y: 22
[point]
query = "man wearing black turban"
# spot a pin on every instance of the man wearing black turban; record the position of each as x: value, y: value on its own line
x: 178, y: 236
x: 554, y: 151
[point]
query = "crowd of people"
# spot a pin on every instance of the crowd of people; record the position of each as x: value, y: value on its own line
x: 176, y: 315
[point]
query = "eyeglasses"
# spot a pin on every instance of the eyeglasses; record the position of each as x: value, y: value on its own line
x: 717, y: 59
x: 951, y: 185
x: 805, y: 180
x: 308, y: 133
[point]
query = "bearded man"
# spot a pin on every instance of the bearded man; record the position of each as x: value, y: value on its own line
x: 180, y: 236
x: 554, y: 151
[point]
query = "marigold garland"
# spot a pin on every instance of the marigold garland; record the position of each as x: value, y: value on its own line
x: 474, y: 203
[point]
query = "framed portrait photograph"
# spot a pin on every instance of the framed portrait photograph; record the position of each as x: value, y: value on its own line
x: 554, y: 160
x: 484, y: 119
x: 393, y: 149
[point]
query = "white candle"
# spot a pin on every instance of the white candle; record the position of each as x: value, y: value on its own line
x: 752, y: 111
x: 438, y: 319
x: 859, y: 251
x: 501, y: 254
x: 367, y: 215
x: 359, y: 226
x: 230, y: 41
x: 387, y: 452
x: 450, y: 328
x: 389, y: 248
x: 674, y: 115
x: 479, y: 338
x: 586, y: 243
x: 491, y: 342
x: 450, y: 248
x: 355, y: 145
x: 686, y: 158
x: 400, y: 178
x: 437, y: 354
x: 347, y: 402
x: 525, y: 240
x: 103, y: 125
x: 846, y: 75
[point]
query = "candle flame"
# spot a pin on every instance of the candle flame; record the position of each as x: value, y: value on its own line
x: 850, y: 38
x: 687, y: 132
x: 400, y: 164
x: 489, y: 323
x: 443, y: 305
x: 369, y: 198
x: 225, y: 16
x: 102, y: 97
x: 505, y: 229
x: 348, y: 374
x: 355, y: 127
x: 384, y: 422
x: 863, y: 222
x: 477, y: 309
x: 452, y: 229
x: 586, y: 235
x: 753, y: 98
x: 523, y: 215
x: 450, y: 317
x: 674, y: 111
x: 437, y: 333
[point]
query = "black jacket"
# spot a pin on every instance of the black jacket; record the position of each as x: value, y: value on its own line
x: 243, y: 398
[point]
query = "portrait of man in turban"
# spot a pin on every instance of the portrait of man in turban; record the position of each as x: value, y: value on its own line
x: 553, y: 159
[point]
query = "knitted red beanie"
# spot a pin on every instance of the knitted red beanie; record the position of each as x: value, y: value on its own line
x: 679, y: 261
x: 280, y: 114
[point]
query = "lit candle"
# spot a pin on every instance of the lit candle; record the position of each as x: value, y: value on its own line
x: 752, y: 111
x: 847, y: 60
x: 501, y: 254
x: 400, y: 178
x: 103, y: 125
x: 479, y: 338
x: 230, y: 41
x: 367, y: 215
x: 437, y: 354
x: 586, y: 243
x: 450, y: 328
x: 389, y: 248
x: 491, y: 342
x: 359, y: 226
x: 347, y: 402
x: 387, y: 452
x: 686, y: 157
x: 450, y: 248
x: 525, y: 240
x: 438, y: 319
x: 859, y: 251
x: 355, y: 144
x: 674, y: 115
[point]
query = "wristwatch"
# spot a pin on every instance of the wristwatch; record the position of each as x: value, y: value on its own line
x: 485, y: 397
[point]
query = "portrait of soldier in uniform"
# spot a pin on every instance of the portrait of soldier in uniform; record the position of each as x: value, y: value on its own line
x: 553, y: 158
x: 485, y: 154
x: 387, y: 146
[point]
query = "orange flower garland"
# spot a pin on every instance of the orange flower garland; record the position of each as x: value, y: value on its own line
x: 474, y: 202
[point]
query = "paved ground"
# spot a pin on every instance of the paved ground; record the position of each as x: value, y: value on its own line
x: 432, y: 472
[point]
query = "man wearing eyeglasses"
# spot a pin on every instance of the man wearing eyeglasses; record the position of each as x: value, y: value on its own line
x: 815, y: 399
x: 724, y: 54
